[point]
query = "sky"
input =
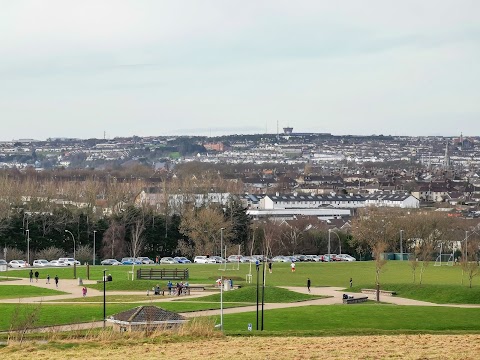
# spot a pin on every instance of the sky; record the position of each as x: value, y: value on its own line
x: 85, y: 69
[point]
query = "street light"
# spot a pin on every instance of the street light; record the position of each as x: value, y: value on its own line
x: 221, y: 242
x: 104, y: 298
x: 339, y: 241
x: 94, y: 232
x: 73, y: 237
x: 329, y: 230
x: 401, y: 245
x: 28, y: 246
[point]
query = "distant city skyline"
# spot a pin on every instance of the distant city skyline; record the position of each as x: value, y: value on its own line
x: 151, y: 68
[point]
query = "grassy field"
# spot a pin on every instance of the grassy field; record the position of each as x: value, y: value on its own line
x: 20, y: 291
x: 367, y: 318
x: 249, y: 294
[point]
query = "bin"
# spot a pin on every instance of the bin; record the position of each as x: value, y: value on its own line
x: 80, y: 281
x: 227, y: 285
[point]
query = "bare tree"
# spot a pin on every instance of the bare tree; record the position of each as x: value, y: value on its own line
x: 113, y: 241
x: 378, y: 250
x: 470, y: 259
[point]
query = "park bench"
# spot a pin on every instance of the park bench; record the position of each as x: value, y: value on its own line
x: 382, y: 292
x: 162, y: 274
x: 355, y: 300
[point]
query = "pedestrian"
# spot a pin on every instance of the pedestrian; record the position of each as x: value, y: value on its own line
x: 48, y: 279
x: 37, y: 274
x: 31, y: 275
x: 293, y: 266
x: 56, y: 281
x: 156, y: 260
x: 308, y: 284
x: 84, y: 291
x: 169, y: 286
x: 351, y: 282
x: 270, y: 267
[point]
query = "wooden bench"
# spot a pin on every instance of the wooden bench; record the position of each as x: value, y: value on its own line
x: 196, y: 288
x: 354, y: 300
x: 382, y: 292
x: 162, y: 274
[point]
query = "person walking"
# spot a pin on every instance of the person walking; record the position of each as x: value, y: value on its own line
x: 293, y: 266
x: 270, y: 267
x: 37, y: 274
x: 56, y: 281
x: 48, y: 279
x: 31, y: 275
x: 308, y: 284
x: 84, y: 291
x: 351, y: 282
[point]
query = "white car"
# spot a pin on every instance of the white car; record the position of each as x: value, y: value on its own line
x: 41, y: 263
x: 145, y: 260
x: 58, y: 263
x: 345, y: 257
x: 236, y: 258
x: 70, y: 261
x: 168, y: 260
x: 203, y: 260
x: 17, y: 264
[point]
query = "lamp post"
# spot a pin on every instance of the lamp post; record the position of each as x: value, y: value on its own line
x: 329, y: 231
x: 104, y: 298
x: 67, y: 231
x: 94, y: 232
x: 339, y: 241
x: 28, y: 246
x: 221, y: 242
x: 401, y: 245
x: 258, y: 269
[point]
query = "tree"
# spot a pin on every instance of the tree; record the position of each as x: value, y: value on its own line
x: 470, y: 259
x: 113, y: 241
x: 202, y: 227
x: 378, y: 250
x: 240, y: 222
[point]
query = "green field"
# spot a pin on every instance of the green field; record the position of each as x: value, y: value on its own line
x: 24, y: 291
x: 363, y: 319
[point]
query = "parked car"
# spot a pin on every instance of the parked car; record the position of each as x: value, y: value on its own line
x: 110, y: 262
x: 58, y: 263
x: 218, y: 259
x: 70, y: 261
x: 131, y: 261
x: 145, y: 260
x: 299, y: 257
x: 17, y: 264
x: 315, y: 258
x: 168, y: 260
x: 345, y: 257
x: 3, y: 262
x: 201, y: 259
x: 182, y: 260
x: 250, y: 259
x: 236, y: 258
x: 41, y: 263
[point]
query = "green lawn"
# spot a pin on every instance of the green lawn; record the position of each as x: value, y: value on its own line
x: 365, y: 319
x: 249, y: 294
x: 23, y: 291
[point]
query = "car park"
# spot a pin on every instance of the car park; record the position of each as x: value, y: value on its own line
x: 41, y: 263
x: 15, y: 264
x: 182, y: 260
x: 59, y: 263
x: 168, y: 260
x: 110, y: 262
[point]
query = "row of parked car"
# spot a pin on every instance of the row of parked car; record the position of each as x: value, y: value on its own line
x: 40, y: 263
x: 146, y: 261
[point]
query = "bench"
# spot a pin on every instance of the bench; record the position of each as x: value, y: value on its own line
x: 196, y: 288
x: 162, y: 274
x: 382, y: 292
x: 354, y: 300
